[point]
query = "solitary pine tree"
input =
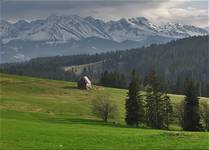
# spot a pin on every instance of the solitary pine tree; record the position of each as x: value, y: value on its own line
x: 191, y: 108
x: 134, y: 103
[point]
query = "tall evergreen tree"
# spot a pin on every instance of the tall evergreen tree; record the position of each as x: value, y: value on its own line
x: 191, y: 108
x: 152, y: 80
x: 158, y: 105
x: 150, y: 106
x: 134, y: 102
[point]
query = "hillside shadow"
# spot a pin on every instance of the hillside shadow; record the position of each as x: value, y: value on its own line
x: 69, y: 87
x: 84, y: 122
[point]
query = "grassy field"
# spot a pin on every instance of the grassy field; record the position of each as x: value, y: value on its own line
x: 45, y: 114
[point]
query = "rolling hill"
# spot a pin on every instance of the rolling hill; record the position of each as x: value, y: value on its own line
x: 174, y: 62
x: 48, y: 114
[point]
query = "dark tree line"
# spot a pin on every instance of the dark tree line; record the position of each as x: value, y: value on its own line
x: 113, y: 79
x: 174, y: 62
x: 154, y: 107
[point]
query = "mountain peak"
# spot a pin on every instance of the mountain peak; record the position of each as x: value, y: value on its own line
x: 68, y: 27
x: 4, y: 22
x: 21, y: 22
x: 89, y: 18
x: 56, y: 17
x: 123, y: 21
x: 140, y: 21
x: 142, y: 18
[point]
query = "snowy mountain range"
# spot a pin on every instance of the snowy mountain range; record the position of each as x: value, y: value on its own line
x: 65, y: 35
x: 207, y: 28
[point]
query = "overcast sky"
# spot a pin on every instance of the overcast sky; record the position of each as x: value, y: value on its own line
x: 195, y: 12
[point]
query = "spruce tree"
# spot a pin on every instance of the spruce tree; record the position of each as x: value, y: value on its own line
x: 158, y: 106
x: 134, y: 103
x: 150, y: 106
x: 191, y: 108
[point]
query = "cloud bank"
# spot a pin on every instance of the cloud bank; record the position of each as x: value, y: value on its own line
x: 158, y: 11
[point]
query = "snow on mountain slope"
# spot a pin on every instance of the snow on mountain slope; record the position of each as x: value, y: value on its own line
x: 4, y: 28
x: 67, y: 35
x: 65, y: 28
x: 207, y: 28
x: 180, y: 31
x: 55, y: 28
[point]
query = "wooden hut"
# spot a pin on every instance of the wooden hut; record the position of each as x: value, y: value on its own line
x: 84, y: 83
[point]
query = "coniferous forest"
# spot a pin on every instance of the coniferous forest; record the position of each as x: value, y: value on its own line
x: 174, y: 62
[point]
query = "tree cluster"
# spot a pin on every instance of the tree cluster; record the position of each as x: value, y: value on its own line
x: 158, y: 104
x: 153, y: 109
x: 113, y: 79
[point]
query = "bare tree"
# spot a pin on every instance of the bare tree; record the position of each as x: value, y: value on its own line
x: 204, y: 111
x: 103, y: 107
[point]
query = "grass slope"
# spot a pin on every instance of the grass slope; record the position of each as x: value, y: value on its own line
x: 44, y: 114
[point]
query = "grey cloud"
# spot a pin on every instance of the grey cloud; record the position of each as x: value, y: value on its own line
x: 33, y: 9
x: 106, y: 9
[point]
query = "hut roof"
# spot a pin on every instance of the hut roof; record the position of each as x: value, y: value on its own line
x: 87, y: 79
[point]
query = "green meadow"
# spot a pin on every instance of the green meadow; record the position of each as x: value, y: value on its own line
x: 47, y: 114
